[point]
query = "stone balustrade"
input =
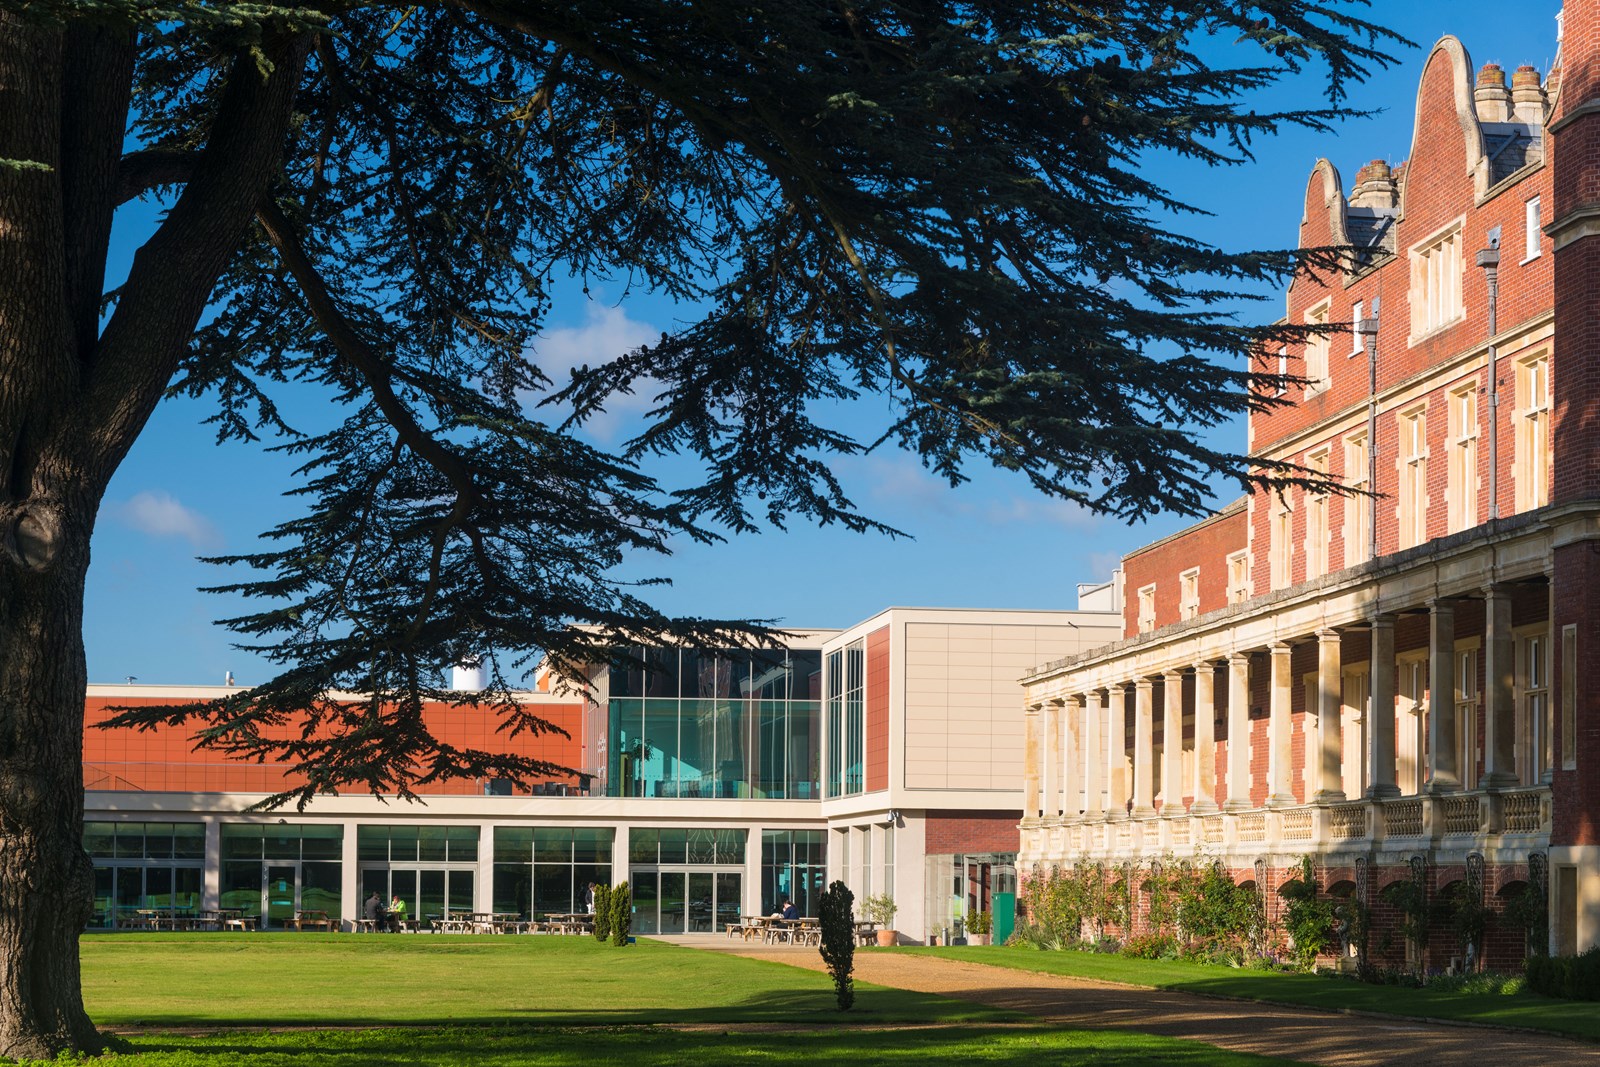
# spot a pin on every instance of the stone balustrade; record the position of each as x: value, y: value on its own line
x: 1514, y: 820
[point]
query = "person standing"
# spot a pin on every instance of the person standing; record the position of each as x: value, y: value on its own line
x: 588, y: 898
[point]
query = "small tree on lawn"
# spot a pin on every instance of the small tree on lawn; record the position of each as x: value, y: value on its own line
x: 621, y: 900
x: 602, y: 913
x: 839, y: 940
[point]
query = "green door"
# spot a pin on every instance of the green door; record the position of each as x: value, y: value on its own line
x: 1005, y: 916
x: 281, y: 886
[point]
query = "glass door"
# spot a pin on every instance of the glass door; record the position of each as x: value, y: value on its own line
x: 645, y: 886
x: 701, y: 902
x: 672, y: 902
x: 283, y: 894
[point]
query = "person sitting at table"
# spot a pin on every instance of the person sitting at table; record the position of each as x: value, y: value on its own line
x: 374, y: 910
x: 397, y: 915
x: 789, y: 911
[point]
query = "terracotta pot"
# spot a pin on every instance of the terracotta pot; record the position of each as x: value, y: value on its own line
x: 885, y: 938
x: 978, y: 939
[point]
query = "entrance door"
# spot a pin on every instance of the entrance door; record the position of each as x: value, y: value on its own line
x: 283, y: 894
x: 679, y: 900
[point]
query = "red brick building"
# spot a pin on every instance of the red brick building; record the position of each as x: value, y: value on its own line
x: 1392, y: 680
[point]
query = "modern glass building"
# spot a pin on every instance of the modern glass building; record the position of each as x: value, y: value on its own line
x: 718, y: 783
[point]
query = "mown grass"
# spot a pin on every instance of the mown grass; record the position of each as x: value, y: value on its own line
x: 509, y: 1002
x: 354, y: 980
x: 1527, y: 1010
x: 652, y: 1047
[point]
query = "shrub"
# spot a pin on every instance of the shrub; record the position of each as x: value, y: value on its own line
x: 879, y: 909
x: 1153, y: 946
x: 837, y: 916
x: 981, y: 922
x: 1307, y: 920
x: 1569, y: 977
x: 621, y: 913
x: 602, y: 913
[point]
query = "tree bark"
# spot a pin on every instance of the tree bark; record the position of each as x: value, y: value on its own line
x: 73, y: 399
x: 46, y: 878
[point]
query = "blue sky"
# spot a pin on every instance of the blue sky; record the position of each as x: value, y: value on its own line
x: 990, y: 543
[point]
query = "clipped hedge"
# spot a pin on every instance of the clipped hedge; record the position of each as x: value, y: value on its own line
x: 1569, y: 977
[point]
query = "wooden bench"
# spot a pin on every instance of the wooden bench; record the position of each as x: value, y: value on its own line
x: 313, y: 920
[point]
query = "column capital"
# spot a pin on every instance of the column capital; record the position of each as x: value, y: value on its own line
x: 1203, y: 665
x: 1442, y: 603
x: 1281, y: 648
x: 1326, y: 634
x: 1238, y: 657
x: 1496, y: 591
x: 1146, y: 682
x: 1058, y: 701
x: 1381, y: 622
x: 1176, y: 672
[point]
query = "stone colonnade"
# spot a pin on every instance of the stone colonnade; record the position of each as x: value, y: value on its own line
x: 1079, y: 759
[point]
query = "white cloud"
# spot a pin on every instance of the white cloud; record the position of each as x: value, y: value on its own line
x: 159, y: 514
x: 607, y: 334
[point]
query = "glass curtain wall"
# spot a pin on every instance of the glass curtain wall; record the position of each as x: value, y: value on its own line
x: 846, y: 719
x: 685, y: 879
x: 715, y: 724
x: 270, y: 871
x: 145, y: 866
x: 793, y: 867
x: 544, y: 869
x: 433, y: 869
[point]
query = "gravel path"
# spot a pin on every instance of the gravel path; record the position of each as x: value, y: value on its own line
x: 1337, y: 1040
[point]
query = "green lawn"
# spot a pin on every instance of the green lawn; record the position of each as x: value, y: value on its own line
x: 649, y: 1047
x: 1573, y: 1018
x: 353, y: 979
x: 543, y: 1001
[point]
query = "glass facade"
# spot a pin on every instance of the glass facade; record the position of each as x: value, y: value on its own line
x: 730, y: 723
x: 145, y: 866
x: 544, y: 869
x: 434, y: 869
x: 685, y: 879
x: 270, y: 871
x: 793, y: 867
x: 846, y: 719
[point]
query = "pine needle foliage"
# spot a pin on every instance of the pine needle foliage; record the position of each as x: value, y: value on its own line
x: 942, y: 205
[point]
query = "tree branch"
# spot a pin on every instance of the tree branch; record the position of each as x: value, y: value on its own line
x: 379, y: 378
x: 151, y: 167
x: 175, y: 271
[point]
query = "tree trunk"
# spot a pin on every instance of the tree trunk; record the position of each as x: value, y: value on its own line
x: 46, y: 878
x: 71, y: 405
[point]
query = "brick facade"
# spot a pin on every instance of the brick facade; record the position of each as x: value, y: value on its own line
x: 955, y: 832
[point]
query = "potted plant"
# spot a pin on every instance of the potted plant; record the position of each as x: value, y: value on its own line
x: 880, y: 909
x: 979, y: 926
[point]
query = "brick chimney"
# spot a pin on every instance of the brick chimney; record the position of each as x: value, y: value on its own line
x: 1491, y: 95
x: 1527, y: 96
x: 1375, y: 187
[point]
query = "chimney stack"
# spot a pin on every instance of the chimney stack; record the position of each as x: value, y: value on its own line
x: 1492, y: 96
x: 1375, y: 187
x: 1527, y: 96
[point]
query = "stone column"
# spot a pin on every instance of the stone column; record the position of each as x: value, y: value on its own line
x: 1116, y: 751
x: 1065, y: 798
x: 1205, y: 738
x: 1280, y: 756
x: 1049, y: 772
x: 1238, y: 732
x: 1093, y: 756
x: 1172, y: 745
x: 1330, y: 722
x: 1500, y: 717
x: 1030, y: 763
x: 1443, y: 774
x: 1380, y: 716
x: 1144, y: 748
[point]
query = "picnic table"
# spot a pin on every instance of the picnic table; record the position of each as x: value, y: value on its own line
x: 866, y: 931
x: 312, y: 920
x: 570, y: 922
x: 747, y: 927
